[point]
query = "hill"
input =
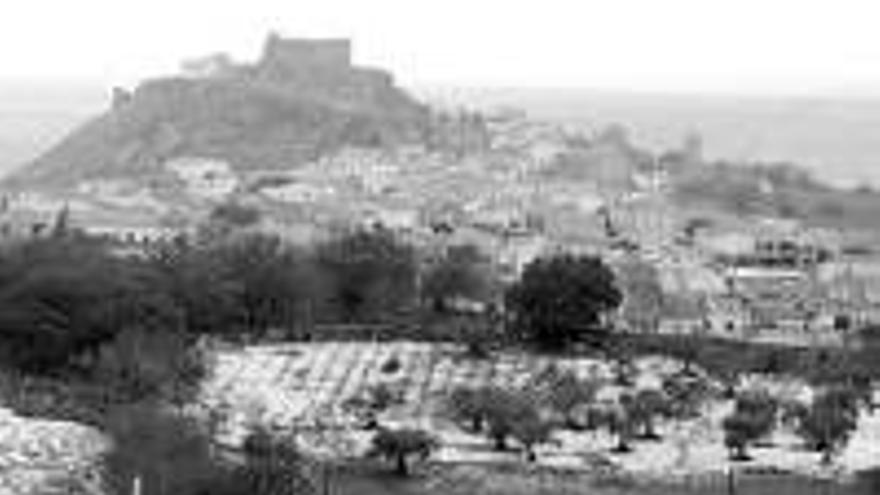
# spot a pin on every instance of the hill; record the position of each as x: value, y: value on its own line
x: 775, y: 190
x: 302, y: 98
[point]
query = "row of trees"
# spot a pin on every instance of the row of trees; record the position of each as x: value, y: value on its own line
x: 557, y: 399
x: 530, y: 414
x: 825, y: 424
x: 63, y: 297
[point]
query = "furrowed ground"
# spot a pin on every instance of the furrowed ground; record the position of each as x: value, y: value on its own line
x: 301, y: 383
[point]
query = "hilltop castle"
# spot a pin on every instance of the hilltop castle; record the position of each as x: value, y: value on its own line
x: 312, y: 63
x: 297, y: 55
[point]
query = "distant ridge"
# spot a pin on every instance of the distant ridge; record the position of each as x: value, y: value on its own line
x: 833, y: 135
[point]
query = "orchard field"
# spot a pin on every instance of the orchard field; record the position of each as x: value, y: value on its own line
x: 298, y: 384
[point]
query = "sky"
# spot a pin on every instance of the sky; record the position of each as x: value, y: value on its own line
x: 741, y: 46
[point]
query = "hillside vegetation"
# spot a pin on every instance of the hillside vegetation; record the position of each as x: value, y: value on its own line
x: 776, y: 190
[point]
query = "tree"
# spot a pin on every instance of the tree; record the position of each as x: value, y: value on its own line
x: 468, y: 405
x: 273, y: 280
x: 399, y: 445
x: 643, y: 295
x: 61, y: 226
x: 646, y: 406
x: 149, y: 364
x: 621, y: 422
x: 238, y: 285
x: 685, y: 393
x: 754, y: 417
x: 559, y: 298
x: 204, y: 292
x: 740, y: 429
x: 564, y: 392
x: 371, y: 275
x: 171, y: 453
x: 273, y: 464
x: 827, y: 425
x: 461, y: 273
x: 504, y: 410
x: 530, y: 430
x: 65, y: 296
x: 159, y: 448
x: 763, y: 406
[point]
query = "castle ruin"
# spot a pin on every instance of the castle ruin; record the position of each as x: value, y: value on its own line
x: 296, y: 55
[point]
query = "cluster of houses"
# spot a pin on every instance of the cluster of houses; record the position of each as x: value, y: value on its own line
x: 780, y: 283
x: 754, y: 280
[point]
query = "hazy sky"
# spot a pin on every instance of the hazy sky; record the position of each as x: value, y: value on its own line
x: 667, y: 45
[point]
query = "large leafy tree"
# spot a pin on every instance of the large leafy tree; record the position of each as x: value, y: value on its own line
x: 560, y: 298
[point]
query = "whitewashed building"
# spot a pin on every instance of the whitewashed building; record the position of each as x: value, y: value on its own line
x: 204, y: 177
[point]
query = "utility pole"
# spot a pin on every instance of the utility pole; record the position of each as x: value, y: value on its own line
x: 731, y: 481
